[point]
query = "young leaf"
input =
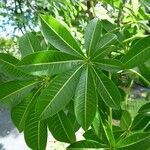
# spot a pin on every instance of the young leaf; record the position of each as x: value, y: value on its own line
x: 61, y: 128
x: 59, y: 36
x: 107, y: 90
x: 58, y: 94
x: 85, y: 99
x: 29, y: 44
x: 47, y: 62
x: 138, y: 53
x: 92, y: 34
x: 35, y: 132
x: 12, y: 89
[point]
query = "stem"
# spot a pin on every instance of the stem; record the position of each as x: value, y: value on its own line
x: 138, y: 74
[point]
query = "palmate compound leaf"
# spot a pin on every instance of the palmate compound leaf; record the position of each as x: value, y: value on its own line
x: 58, y: 93
x: 85, y: 98
x: 48, y: 62
x: 35, y: 131
x: 107, y: 89
x: 20, y: 112
x: 61, y: 128
x: 138, y: 54
x: 13, y: 89
x: 59, y: 36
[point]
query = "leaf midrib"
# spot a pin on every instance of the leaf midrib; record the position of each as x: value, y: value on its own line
x: 50, y: 63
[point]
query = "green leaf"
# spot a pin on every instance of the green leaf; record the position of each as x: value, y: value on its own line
x: 125, y: 120
x: 108, y: 26
x: 85, y: 99
x: 59, y: 36
x: 58, y: 94
x: 134, y: 142
x: 20, y: 112
x: 92, y: 35
x: 139, y: 122
x: 145, y: 109
x: 29, y: 44
x: 111, y: 65
x: 103, y: 52
x: 103, y: 43
x: 109, y: 133
x: 61, y: 128
x: 138, y: 53
x: 47, y: 62
x: 12, y: 89
x: 85, y: 144
x: 107, y: 90
x: 106, y: 41
x: 144, y: 71
x: 8, y: 58
x: 12, y: 72
x: 71, y: 116
x: 35, y: 132
x: 90, y: 135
